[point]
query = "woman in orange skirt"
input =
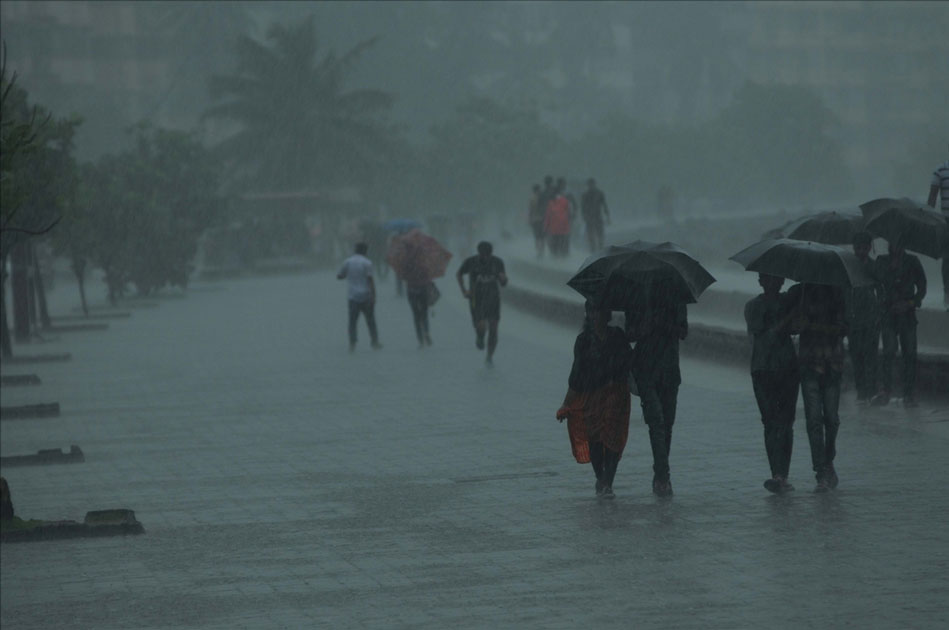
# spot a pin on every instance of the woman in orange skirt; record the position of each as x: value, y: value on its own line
x: 597, y: 403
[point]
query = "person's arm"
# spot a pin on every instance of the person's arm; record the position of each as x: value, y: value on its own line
x: 502, y: 274
x: 342, y: 272
x: 606, y: 209
x: 754, y: 321
x: 573, y: 381
x: 920, y: 278
x: 933, y: 193
x: 372, y: 289
x: 461, y: 282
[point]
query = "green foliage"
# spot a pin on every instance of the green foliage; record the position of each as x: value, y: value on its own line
x: 774, y: 139
x: 300, y: 128
x: 486, y: 156
x: 36, y: 165
x: 144, y: 209
x: 772, y: 146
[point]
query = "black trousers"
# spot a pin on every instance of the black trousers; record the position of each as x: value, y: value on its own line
x: 418, y: 302
x: 368, y: 309
x: 776, y: 393
x: 604, y: 463
x: 821, y: 392
x: 900, y: 328
x: 658, y: 399
x: 863, y: 344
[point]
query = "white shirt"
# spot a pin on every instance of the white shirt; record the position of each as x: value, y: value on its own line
x: 941, y: 181
x: 357, y: 269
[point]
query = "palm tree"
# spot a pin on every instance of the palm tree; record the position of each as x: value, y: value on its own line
x: 298, y: 125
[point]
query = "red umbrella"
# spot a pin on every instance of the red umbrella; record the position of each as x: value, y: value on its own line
x: 417, y: 257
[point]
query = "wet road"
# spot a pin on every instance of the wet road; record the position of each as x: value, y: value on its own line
x: 283, y: 482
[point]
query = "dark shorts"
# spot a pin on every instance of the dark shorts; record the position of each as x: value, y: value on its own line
x: 485, y: 307
x: 538, y: 229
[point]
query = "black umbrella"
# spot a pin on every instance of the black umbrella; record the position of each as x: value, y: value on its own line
x: 622, y: 276
x: 804, y: 261
x: 830, y: 227
x: 916, y: 226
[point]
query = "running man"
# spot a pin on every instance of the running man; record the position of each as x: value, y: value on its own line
x: 593, y: 208
x: 486, y: 276
x: 361, y: 292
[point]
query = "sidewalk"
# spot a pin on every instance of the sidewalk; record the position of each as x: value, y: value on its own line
x: 284, y: 483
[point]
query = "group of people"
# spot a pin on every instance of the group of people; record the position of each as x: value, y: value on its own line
x: 822, y: 316
x: 552, y: 213
x: 485, y: 275
x: 642, y: 356
x: 606, y: 369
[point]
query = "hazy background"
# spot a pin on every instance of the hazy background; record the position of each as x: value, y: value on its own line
x: 620, y: 88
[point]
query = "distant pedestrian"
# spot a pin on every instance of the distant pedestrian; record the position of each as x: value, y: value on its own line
x: 597, y: 403
x: 774, y: 375
x: 594, y: 210
x: 557, y: 222
x: 357, y: 270
x: 421, y: 293
x: 821, y: 323
x: 863, y: 323
x: 486, y: 277
x: 535, y: 218
x: 904, y: 287
x: 657, y: 330
x: 939, y: 186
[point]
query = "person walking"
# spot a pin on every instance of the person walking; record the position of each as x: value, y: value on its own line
x: 557, y: 222
x: 774, y: 375
x: 597, y: 403
x: 420, y: 291
x: 939, y: 187
x: 357, y: 271
x: 904, y: 287
x: 593, y: 208
x: 657, y: 330
x: 486, y: 277
x: 535, y: 218
x: 821, y: 324
x: 863, y: 323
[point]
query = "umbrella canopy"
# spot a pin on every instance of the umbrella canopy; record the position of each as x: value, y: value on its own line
x: 916, y: 226
x: 830, y: 227
x: 417, y: 257
x: 622, y: 277
x: 804, y: 261
x: 401, y: 226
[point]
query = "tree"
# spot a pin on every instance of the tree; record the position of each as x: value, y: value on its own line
x: 486, y: 155
x: 299, y: 125
x: 36, y: 173
x: 143, y: 210
x: 775, y: 140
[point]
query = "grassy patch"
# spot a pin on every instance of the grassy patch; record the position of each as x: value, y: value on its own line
x: 17, y: 524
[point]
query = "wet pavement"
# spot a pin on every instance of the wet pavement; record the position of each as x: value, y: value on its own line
x: 284, y: 483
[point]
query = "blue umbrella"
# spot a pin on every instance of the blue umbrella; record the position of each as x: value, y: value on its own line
x: 401, y: 226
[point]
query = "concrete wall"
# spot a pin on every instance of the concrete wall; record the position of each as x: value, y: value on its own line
x: 717, y: 343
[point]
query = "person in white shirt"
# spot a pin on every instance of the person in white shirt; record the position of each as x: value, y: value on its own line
x: 939, y: 186
x: 357, y: 270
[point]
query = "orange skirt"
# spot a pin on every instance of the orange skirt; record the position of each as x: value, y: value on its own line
x: 599, y: 416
